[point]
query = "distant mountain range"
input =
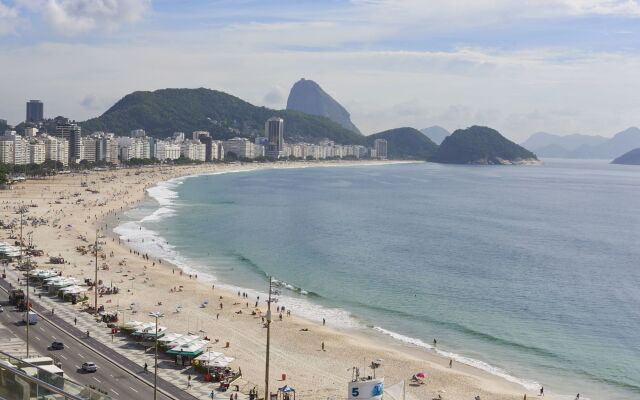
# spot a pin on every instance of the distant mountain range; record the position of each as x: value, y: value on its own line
x: 630, y: 158
x: 165, y: 111
x: 308, y: 97
x: 435, y: 133
x: 583, y: 146
x: 481, y: 145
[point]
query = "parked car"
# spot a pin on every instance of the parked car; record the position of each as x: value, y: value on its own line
x: 89, y: 367
x: 57, y: 346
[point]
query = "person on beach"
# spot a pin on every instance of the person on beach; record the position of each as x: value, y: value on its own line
x: 541, y: 391
x: 146, y: 367
x: 322, y: 346
x: 578, y: 396
x: 75, y: 321
x: 323, y: 321
x: 450, y: 363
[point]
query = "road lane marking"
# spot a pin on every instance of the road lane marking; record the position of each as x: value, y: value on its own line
x: 133, y: 389
x: 117, y: 394
x: 80, y: 355
x: 41, y: 329
x: 63, y: 357
x: 37, y: 338
x: 97, y: 380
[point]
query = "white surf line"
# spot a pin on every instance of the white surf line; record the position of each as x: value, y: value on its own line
x: 133, y: 389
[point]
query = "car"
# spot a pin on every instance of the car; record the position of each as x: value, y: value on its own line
x: 89, y: 366
x: 57, y: 346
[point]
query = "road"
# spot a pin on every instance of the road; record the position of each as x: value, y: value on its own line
x: 118, y: 383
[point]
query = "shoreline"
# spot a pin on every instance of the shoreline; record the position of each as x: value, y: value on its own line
x: 379, y: 334
x: 401, y: 360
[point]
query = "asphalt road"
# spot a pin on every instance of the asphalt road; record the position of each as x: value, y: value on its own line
x: 109, y: 378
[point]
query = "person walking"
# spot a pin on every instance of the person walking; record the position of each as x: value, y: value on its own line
x: 541, y: 391
x: 323, y: 346
x: 146, y: 367
x: 75, y: 320
x: 450, y: 363
x: 323, y: 321
x: 189, y: 381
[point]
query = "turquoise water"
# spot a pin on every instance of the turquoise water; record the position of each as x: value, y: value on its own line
x: 532, y: 273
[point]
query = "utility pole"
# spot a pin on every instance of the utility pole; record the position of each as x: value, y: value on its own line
x: 156, y: 314
x: 28, y: 267
x: 266, y: 373
x: 95, y: 283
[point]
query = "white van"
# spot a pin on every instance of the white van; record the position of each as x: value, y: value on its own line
x: 33, y: 318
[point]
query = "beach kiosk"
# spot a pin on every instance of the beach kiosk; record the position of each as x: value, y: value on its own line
x: 286, y: 393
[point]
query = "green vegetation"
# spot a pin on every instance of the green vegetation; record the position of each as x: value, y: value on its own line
x: 405, y: 143
x: 165, y: 111
x: 480, y: 145
x: 629, y: 158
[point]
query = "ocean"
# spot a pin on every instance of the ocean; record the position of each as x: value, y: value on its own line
x: 529, y: 272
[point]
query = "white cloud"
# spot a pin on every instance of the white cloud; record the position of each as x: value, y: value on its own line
x: 8, y: 19
x: 72, y: 17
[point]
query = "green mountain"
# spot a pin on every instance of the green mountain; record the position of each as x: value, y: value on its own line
x: 481, y: 145
x: 308, y: 97
x: 629, y: 158
x: 165, y: 111
x: 406, y: 143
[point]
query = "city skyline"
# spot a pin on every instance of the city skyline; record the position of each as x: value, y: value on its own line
x: 558, y: 66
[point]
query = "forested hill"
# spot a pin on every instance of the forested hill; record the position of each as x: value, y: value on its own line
x: 481, y: 145
x: 165, y: 111
x: 406, y: 143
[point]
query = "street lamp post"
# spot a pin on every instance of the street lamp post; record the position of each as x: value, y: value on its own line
x: 157, y: 315
x: 22, y: 210
x: 266, y: 372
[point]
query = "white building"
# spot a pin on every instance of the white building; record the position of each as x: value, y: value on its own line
x: 14, y: 149
x: 193, y: 150
x: 243, y: 148
x: 56, y: 149
x: 166, y: 150
x: 129, y: 148
x: 88, y: 149
x: 37, y: 152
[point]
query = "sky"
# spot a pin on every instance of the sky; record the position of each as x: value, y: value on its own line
x: 559, y: 66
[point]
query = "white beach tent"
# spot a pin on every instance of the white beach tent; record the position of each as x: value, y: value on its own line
x: 208, y: 356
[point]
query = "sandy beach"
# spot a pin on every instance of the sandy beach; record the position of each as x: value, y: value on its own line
x: 73, y: 211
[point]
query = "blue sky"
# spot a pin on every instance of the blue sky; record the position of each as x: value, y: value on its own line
x: 561, y: 66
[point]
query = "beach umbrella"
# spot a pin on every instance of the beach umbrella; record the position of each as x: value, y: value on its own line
x: 421, y: 375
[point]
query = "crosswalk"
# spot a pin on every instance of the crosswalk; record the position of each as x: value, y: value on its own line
x: 167, y: 369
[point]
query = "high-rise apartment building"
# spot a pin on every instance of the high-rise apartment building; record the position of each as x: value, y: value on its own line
x: 35, y: 111
x: 380, y: 145
x: 274, y: 131
x: 73, y: 134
